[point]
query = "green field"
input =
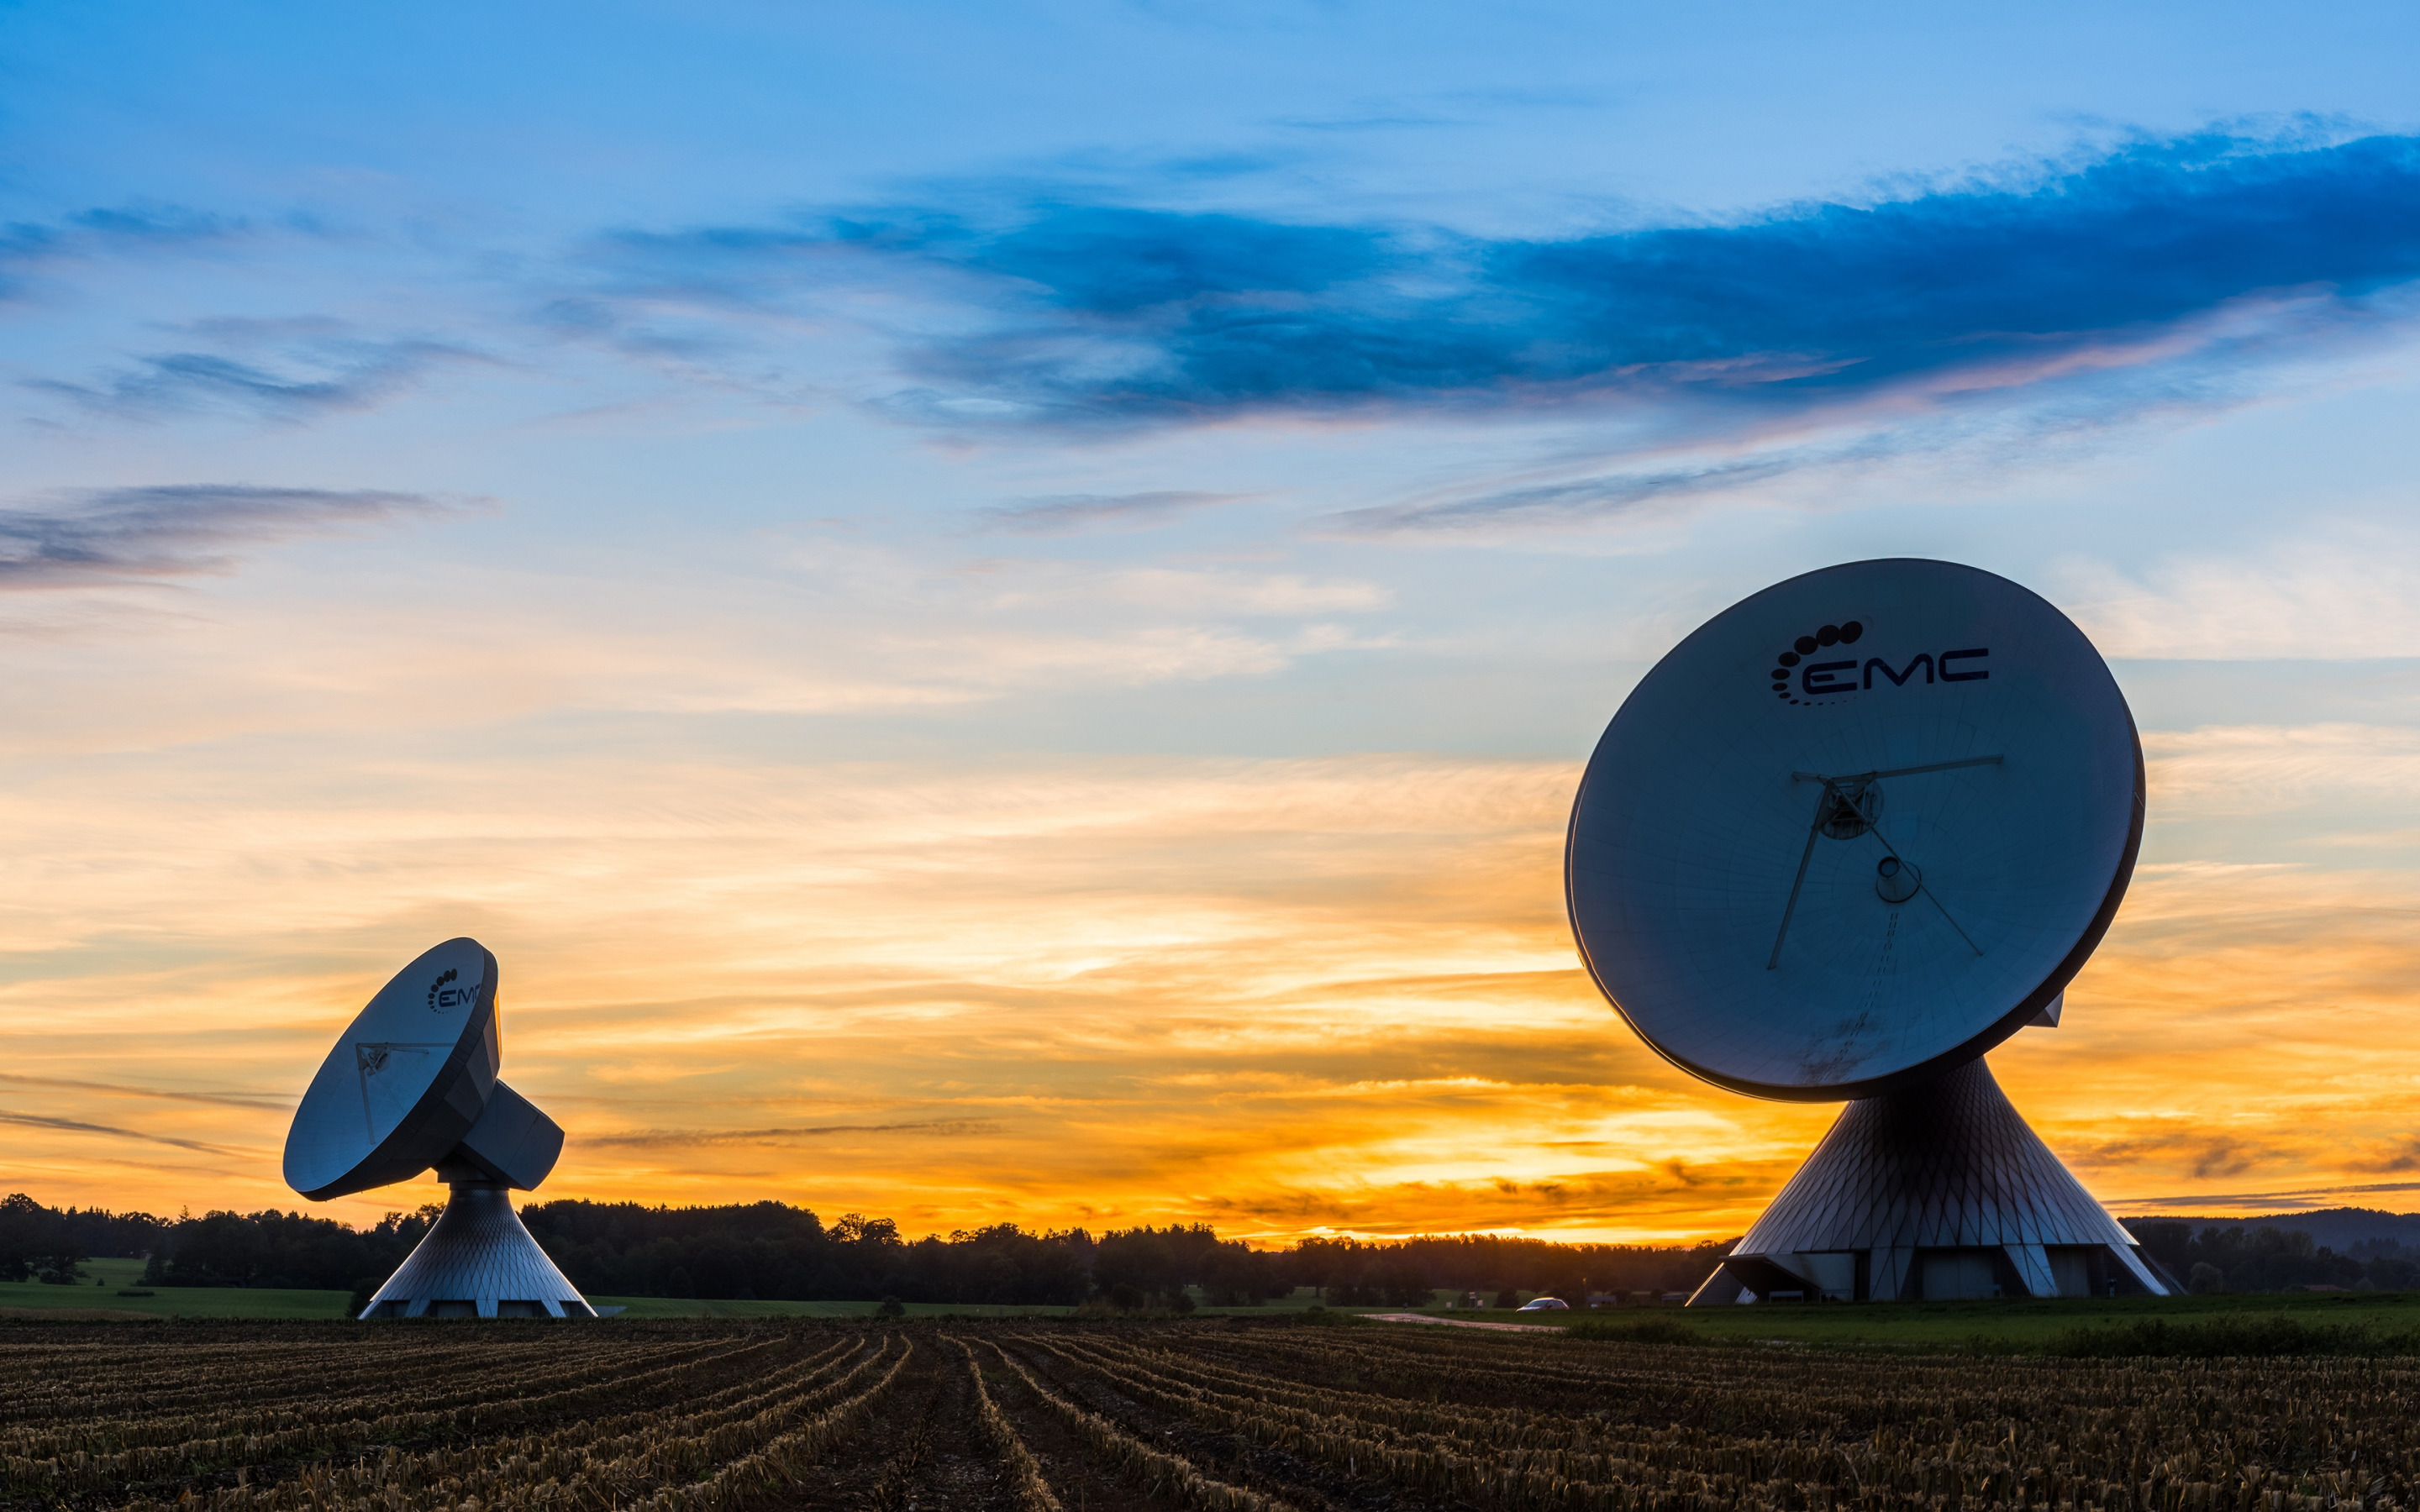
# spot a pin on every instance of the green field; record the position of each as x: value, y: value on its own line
x: 1915, y: 1326
x: 2018, y: 1326
x: 1990, y: 1325
x: 685, y: 1307
x: 105, y: 1279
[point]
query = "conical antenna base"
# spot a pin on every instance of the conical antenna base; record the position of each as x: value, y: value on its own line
x: 478, y: 1261
x: 1937, y: 1192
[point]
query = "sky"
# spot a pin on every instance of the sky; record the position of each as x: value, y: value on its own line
x: 995, y: 609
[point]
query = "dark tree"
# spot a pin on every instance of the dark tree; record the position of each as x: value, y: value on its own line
x: 774, y: 1250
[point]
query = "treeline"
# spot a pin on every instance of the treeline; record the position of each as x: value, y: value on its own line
x: 1359, y: 1271
x: 772, y: 1250
x: 217, y: 1249
x: 39, y: 1243
x: 2231, y: 1257
x: 775, y: 1251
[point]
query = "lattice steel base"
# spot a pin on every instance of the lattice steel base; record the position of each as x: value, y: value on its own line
x: 478, y: 1261
x: 1937, y: 1192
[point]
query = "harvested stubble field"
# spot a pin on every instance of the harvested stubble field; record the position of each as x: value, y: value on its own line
x: 1223, y: 1415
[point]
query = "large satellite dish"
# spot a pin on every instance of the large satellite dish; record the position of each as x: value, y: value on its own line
x: 1857, y: 830
x: 412, y: 1084
x: 406, y: 1080
x: 1848, y: 836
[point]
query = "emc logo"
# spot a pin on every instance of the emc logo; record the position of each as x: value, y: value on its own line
x: 1824, y: 680
x: 442, y: 997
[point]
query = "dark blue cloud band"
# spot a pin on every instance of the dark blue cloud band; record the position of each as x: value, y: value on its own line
x: 1086, y: 313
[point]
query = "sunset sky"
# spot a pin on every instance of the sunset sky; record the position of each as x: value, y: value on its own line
x: 994, y: 608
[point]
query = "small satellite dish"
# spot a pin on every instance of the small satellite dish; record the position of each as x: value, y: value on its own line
x: 407, y: 1080
x: 412, y: 1084
x: 1855, y: 830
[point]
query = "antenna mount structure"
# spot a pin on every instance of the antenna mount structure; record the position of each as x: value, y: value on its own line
x: 410, y: 1085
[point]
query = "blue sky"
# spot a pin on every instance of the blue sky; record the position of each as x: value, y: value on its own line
x: 1042, y: 573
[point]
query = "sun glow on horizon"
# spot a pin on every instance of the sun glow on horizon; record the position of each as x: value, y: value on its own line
x: 1394, y: 1039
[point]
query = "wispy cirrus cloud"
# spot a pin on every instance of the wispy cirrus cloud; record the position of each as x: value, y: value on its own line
x: 98, y: 231
x: 231, y: 1100
x: 2207, y: 1154
x: 1076, y: 514
x: 35, y: 1120
x: 2401, y: 1153
x: 2328, y: 589
x: 2297, y: 1199
x: 1088, y: 315
x: 325, y: 377
x: 176, y: 530
x: 686, y: 1138
x: 1575, y: 499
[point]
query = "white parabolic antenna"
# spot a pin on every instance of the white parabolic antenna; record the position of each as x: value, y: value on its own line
x: 412, y: 1084
x: 1845, y: 838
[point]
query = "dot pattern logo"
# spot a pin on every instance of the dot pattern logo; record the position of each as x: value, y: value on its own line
x: 437, y: 1004
x: 1844, y: 634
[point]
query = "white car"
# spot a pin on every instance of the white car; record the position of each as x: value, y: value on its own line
x: 1545, y: 1304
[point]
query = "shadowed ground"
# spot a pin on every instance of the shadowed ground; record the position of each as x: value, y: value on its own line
x: 1278, y: 1415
